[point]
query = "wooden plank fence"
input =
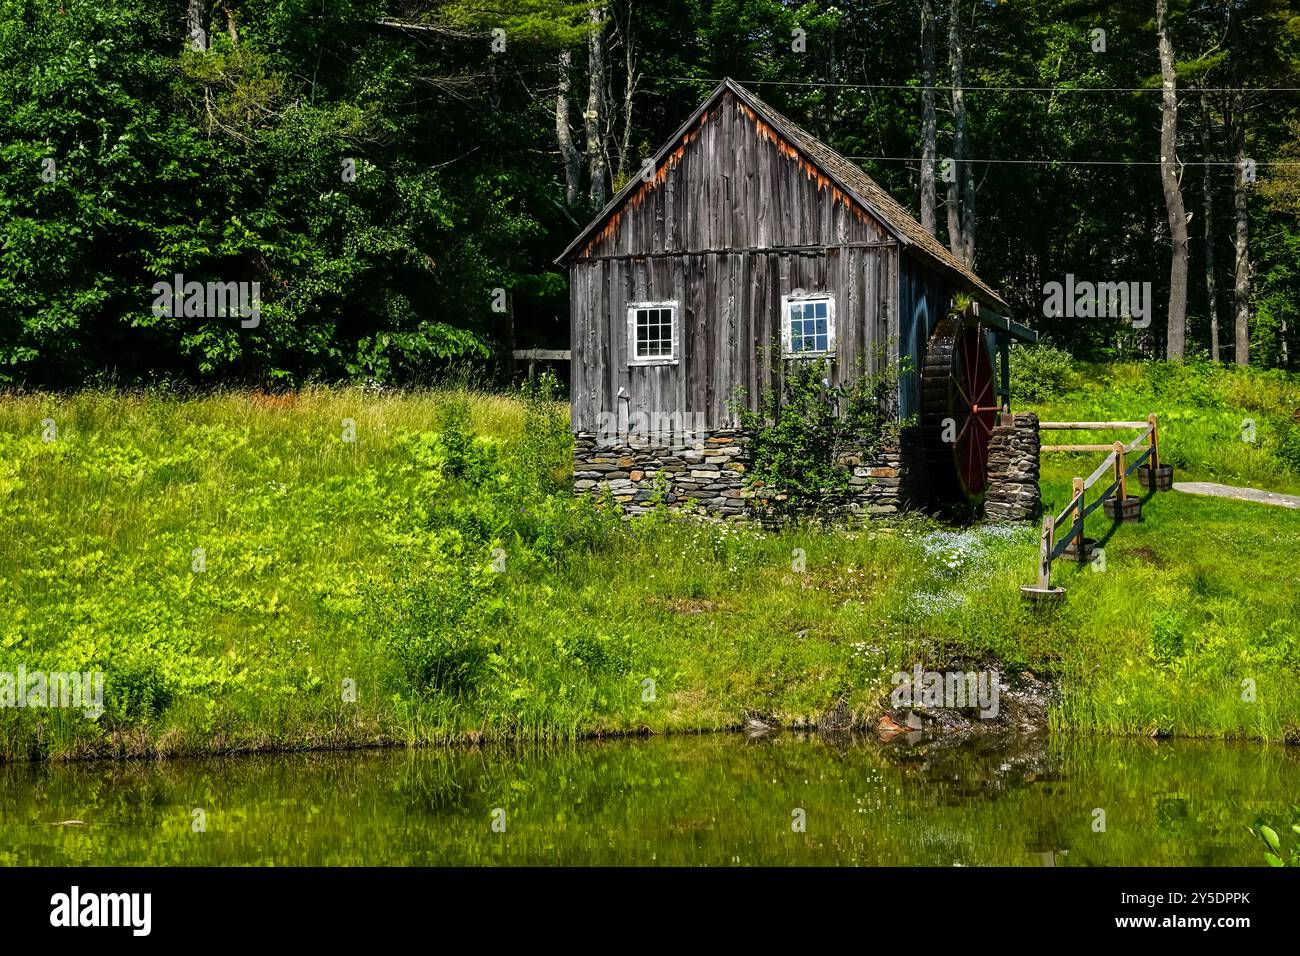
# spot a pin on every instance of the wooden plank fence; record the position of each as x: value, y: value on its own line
x: 533, y: 356
x: 1120, y: 462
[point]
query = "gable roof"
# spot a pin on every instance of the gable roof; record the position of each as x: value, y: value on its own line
x: 860, y: 187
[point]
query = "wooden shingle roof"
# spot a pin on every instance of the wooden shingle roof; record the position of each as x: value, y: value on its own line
x: 860, y: 187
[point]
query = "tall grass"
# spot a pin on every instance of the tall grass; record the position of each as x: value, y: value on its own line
x: 488, y: 602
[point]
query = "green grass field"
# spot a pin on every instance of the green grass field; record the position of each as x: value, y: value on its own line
x: 438, y: 564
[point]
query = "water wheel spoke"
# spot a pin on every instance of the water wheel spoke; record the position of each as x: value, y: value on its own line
x: 957, y: 384
x: 982, y: 439
x: 964, y: 428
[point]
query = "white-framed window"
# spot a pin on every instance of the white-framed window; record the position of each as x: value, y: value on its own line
x: 652, y: 337
x: 808, y: 325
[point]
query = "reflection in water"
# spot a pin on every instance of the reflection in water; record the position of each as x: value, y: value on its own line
x: 694, y: 800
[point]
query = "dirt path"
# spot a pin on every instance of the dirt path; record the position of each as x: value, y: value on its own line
x: 1242, y: 494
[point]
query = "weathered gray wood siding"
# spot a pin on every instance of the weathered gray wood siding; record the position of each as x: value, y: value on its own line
x: 925, y: 296
x: 716, y: 231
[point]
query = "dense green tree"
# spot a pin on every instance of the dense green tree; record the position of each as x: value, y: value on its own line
x: 398, y: 175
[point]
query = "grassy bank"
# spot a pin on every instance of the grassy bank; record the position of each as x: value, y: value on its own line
x: 437, y: 564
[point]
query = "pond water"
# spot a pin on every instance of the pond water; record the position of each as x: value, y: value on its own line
x: 715, y: 800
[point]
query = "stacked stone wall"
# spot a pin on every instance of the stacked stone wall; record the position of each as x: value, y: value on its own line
x: 706, y: 472
x: 1013, y: 493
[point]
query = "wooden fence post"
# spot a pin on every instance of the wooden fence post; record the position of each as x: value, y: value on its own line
x: 1154, y: 441
x: 1119, y: 472
x: 1078, y: 514
x: 1045, y: 553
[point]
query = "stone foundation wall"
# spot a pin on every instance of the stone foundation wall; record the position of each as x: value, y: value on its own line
x: 706, y: 471
x: 707, y: 468
x: 1013, y: 470
x: 880, y: 483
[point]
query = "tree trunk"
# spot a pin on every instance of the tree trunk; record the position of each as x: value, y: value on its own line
x: 929, y: 125
x: 1241, y: 281
x: 629, y: 92
x: 961, y: 191
x: 569, y: 154
x: 1207, y: 203
x: 1176, y: 332
x: 595, y: 109
x: 195, y: 36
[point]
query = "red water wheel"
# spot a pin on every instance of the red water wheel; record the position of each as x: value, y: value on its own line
x: 959, y: 408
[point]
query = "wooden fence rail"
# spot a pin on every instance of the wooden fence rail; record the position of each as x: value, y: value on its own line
x: 1120, y: 462
x: 532, y: 356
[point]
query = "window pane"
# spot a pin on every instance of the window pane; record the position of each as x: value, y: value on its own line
x: 654, y: 333
x: 809, y: 325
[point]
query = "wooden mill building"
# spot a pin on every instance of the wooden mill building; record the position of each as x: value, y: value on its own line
x: 746, y: 244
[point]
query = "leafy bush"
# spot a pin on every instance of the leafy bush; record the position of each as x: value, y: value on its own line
x: 542, y: 459
x: 1288, y: 444
x: 1167, y: 636
x: 135, y: 692
x: 1040, y: 371
x: 464, y: 454
x: 431, y: 627
x: 596, y: 653
x: 800, y: 436
x: 1273, y: 855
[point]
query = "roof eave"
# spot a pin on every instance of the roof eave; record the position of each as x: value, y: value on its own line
x: 981, y: 293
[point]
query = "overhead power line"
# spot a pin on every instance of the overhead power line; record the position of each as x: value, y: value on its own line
x: 1074, y: 162
x: 916, y: 87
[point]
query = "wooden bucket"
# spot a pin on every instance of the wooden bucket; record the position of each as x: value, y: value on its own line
x: 1080, y: 550
x: 1162, y: 480
x: 1128, y: 510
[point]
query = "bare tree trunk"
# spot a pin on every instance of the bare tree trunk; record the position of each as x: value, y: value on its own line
x: 629, y: 91
x: 1241, y: 209
x: 955, y: 244
x: 595, y: 109
x: 1176, y: 332
x: 195, y: 36
x: 1241, y: 283
x: 929, y: 125
x: 961, y: 191
x: 1207, y: 203
x: 569, y: 154
x: 231, y: 29
x: 968, y: 205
